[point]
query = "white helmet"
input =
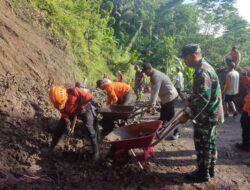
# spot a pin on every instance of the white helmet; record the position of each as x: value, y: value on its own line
x: 106, y: 81
x: 99, y: 83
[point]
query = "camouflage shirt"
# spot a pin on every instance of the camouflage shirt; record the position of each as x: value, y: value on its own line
x: 206, y: 99
x: 139, y: 79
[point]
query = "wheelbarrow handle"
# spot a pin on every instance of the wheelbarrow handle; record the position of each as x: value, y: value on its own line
x: 158, y: 132
x: 162, y: 132
x: 171, y: 122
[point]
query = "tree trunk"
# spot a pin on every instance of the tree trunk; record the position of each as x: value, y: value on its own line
x: 130, y: 45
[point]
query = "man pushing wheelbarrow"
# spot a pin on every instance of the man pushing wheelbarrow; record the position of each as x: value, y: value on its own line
x: 118, y: 93
x: 118, y: 104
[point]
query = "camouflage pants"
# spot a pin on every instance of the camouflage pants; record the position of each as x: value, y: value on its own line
x: 138, y: 92
x: 205, y: 144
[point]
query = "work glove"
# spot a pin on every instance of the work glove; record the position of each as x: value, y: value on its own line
x: 184, y: 117
x: 151, y: 109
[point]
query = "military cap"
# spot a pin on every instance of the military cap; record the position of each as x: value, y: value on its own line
x: 189, y: 49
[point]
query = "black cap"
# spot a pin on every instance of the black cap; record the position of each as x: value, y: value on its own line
x: 190, y: 49
x: 79, y: 85
x: 146, y: 66
x: 98, y: 83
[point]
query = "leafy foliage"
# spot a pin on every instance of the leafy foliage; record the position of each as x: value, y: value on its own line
x: 85, y: 26
x: 110, y: 35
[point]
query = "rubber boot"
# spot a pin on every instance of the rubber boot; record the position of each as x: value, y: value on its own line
x: 54, y: 142
x: 244, y: 147
x: 212, y: 170
x: 96, y: 153
x: 200, y: 175
x: 97, y: 130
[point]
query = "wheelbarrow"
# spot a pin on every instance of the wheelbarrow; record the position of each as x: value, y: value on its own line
x: 119, y: 114
x: 115, y: 112
x: 125, y: 140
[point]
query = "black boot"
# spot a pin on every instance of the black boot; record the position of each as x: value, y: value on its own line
x: 243, y: 147
x: 58, y: 133
x: 212, y: 170
x: 97, y: 130
x: 54, y: 142
x: 199, y: 175
x: 95, y: 154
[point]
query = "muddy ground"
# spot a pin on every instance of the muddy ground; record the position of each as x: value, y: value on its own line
x: 24, y: 164
x: 30, y: 61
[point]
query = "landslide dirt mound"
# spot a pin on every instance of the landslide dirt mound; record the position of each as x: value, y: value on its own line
x: 30, y: 61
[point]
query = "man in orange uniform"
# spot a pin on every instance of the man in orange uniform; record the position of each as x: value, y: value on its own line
x: 245, y: 121
x: 117, y: 92
x: 73, y: 102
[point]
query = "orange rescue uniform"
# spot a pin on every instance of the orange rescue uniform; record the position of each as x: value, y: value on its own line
x: 77, y: 100
x: 116, y: 91
x: 246, y: 107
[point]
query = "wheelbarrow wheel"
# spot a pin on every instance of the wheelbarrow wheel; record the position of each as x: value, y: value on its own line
x: 121, y: 157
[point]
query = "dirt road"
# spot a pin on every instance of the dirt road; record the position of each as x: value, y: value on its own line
x: 28, y: 59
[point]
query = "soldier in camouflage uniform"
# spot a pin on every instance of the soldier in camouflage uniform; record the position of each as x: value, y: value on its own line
x: 206, y: 111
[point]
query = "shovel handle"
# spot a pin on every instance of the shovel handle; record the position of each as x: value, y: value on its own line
x: 73, y: 125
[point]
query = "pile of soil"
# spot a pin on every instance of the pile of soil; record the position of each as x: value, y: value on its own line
x: 30, y: 61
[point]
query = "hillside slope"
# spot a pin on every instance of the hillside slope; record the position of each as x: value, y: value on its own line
x: 30, y: 61
x: 26, y: 51
x: 29, y: 56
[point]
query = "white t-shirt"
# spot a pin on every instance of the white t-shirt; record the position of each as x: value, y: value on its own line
x: 179, y: 80
x: 234, y: 86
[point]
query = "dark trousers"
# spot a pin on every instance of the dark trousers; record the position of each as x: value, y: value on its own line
x: 245, y: 124
x: 167, y: 111
x: 89, y: 120
x: 180, y: 93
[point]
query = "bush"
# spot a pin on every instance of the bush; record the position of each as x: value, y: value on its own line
x: 88, y: 36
